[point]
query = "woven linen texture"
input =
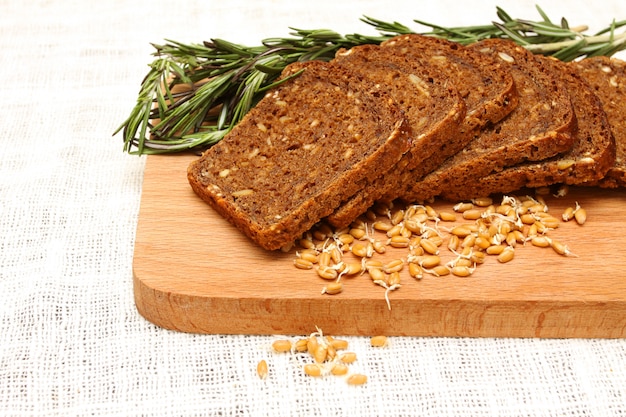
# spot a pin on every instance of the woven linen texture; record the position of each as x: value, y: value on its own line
x: 72, y: 342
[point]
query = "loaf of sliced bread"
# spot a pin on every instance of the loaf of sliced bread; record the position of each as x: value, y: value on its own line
x: 541, y: 126
x: 433, y: 108
x: 589, y: 159
x: 302, y: 150
x: 607, y: 76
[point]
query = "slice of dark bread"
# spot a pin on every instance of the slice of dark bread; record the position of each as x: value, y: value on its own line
x: 304, y: 148
x: 433, y: 108
x: 541, y: 126
x: 589, y: 159
x: 607, y: 76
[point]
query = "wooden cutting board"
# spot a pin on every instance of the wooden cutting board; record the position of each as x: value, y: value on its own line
x: 194, y: 272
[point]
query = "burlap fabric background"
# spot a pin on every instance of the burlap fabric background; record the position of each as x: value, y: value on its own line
x: 71, y: 340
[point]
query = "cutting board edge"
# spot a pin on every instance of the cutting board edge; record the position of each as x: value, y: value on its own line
x: 407, y: 317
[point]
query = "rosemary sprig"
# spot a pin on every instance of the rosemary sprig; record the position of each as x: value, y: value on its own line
x: 221, y: 81
x: 194, y: 94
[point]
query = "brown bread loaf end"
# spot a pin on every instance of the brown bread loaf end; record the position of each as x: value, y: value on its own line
x: 607, y: 76
x: 304, y: 148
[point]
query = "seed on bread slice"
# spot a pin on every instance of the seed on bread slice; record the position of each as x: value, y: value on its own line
x: 541, y: 126
x: 607, y: 76
x: 432, y: 105
x: 589, y: 159
x: 304, y: 148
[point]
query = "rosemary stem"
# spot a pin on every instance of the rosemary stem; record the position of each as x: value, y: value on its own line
x: 557, y: 46
x: 579, y: 29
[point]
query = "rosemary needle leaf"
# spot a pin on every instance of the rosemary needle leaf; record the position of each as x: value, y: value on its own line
x: 394, y: 28
x: 504, y: 16
x: 280, y: 81
x: 543, y: 15
x: 570, y: 52
x: 550, y: 30
x: 611, y: 29
x: 269, y: 69
x: 512, y: 34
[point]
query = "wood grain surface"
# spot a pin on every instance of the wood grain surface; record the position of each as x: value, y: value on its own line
x: 194, y: 272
